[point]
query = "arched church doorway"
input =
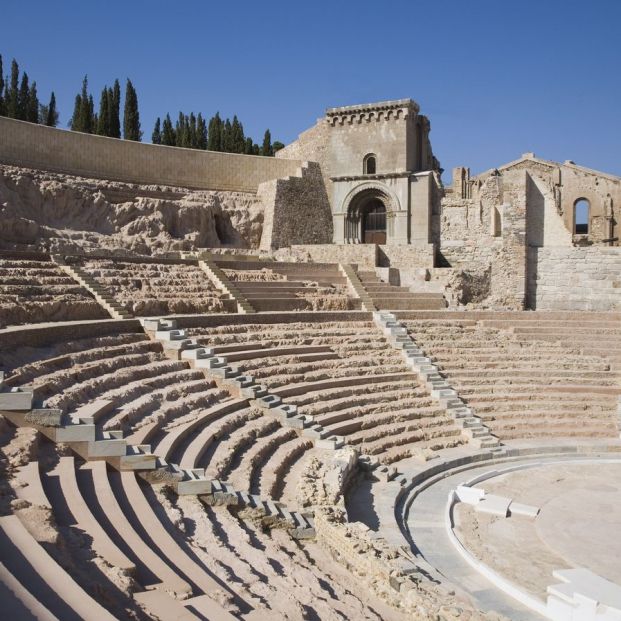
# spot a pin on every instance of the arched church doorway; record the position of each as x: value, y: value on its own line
x: 367, y: 212
x: 374, y: 223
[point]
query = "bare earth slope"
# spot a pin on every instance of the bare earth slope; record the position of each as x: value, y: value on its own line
x: 60, y: 213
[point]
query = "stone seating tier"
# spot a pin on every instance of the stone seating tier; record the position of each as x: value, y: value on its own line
x: 33, y: 291
x: 522, y: 388
x: 157, y: 288
x: 390, y: 297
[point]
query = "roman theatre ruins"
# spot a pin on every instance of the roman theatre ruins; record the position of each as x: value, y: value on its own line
x: 321, y: 385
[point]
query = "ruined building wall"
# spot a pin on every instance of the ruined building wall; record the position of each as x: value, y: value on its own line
x: 583, y: 278
x: 297, y: 210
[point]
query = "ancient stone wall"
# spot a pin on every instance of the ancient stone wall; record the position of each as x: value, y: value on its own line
x: 407, y: 257
x: 582, y: 278
x: 47, y: 148
x: 297, y: 210
x: 364, y: 255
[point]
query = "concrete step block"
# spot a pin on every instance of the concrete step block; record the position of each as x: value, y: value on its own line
x: 253, y: 392
x: 14, y: 399
x: 215, y: 362
x: 268, y: 401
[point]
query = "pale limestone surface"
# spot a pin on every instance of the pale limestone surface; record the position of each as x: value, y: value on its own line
x: 577, y: 526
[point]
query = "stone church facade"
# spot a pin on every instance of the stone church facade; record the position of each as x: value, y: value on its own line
x: 518, y: 235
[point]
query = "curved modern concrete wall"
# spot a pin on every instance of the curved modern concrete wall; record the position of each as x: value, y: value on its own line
x: 59, y: 150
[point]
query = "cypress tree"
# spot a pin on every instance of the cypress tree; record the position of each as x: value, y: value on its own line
x: 168, y: 132
x: 2, y: 100
x: 256, y: 149
x: 23, y: 98
x: 88, y: 110
x: 92, y: 116
x: 201, y: 131
x: 214, y: 139
x: 227, y: 135
x: 192, y: 135
x: 238, y: 141
x: 115, y: 110
x: 131, y: 116
x: 103, y: 120
x: 180, y: 133
x: 156, y: 136
x: 50, y: 118
x: 12, y: 93
x: 266, y: 148
x: 32, y: 108
x: 74, y: 123
x: 248, y: 146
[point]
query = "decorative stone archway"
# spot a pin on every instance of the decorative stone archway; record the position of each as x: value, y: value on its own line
x: 369, y: 209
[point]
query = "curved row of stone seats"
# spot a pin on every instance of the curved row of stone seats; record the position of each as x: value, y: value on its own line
x: 334, y: 374
x: 285, y: 576
x: 150, y: 287
x: 392, y: 297
x: 591, y: 334
x: 127, y: 532
x: 34, y: 289
x: 522, y: 389
x: 35, y: 585
x: 117, y: 384
x: 282, y: 286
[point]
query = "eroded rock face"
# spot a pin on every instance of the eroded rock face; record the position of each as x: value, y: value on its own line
x: 60, y: 213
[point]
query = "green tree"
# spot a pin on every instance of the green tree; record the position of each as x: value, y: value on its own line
x: 248, y: 146
x: 2, y: 99
x: 156, y: 136
x: 168, y: 132
x: 23, y: 98
x: 103, y: 120
x: 12, y: 92
x: 277, y: 146
x: 115, y: 110
x: 92, y: 116
x: 238, y: 140
x: 181, y: 133
x: 48, y: 115
x: 227, y: 137
x: 201, y: 132
x: 131, y: 116
x: 83, y: 111
x: 214, y: 133
x: 74, y: 122
x: 193, y: 136
x: 32, y: 108
x: 266, y: 148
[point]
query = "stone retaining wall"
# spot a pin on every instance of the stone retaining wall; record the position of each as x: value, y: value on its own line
x: 47, y: 148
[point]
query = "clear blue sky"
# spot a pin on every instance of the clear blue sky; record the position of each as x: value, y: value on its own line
x: 496, y: 78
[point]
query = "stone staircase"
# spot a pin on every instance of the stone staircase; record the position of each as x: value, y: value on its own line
x: 472, y: 426
x: 218, y: 277
x: 385, y: 296
x: 116, y: 310
x: 349, y: 271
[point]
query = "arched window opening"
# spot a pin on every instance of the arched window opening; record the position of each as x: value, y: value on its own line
x: 369, y: 165
x: 582, y: 210
x: 496, y: 222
